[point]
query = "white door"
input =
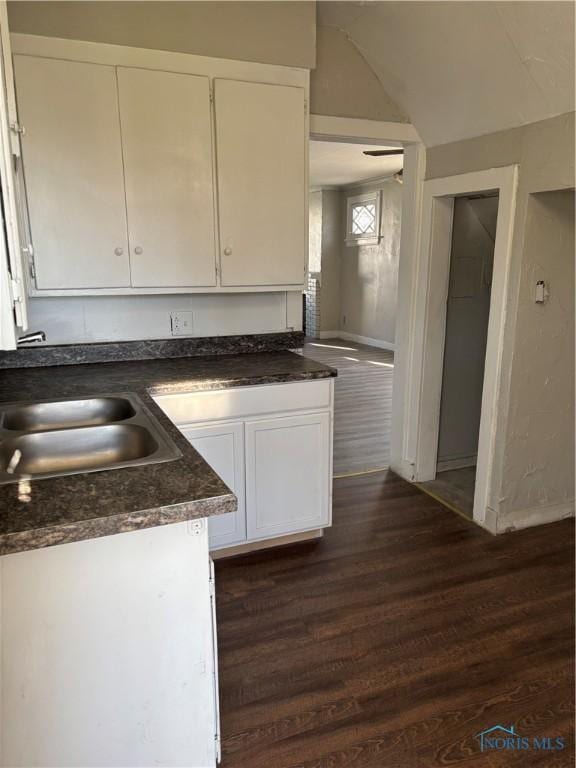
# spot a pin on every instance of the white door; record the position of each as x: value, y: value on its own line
x: 13, y: 289
x: 287, y: 475
x: 167, y: 146
x: 73, y: 168
x: 261, y: 147
x: 222, y: 446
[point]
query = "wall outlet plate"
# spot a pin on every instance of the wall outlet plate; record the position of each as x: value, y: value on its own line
x: 182, y: 323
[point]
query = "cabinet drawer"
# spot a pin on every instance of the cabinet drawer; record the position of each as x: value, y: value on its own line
x: 246, y: 401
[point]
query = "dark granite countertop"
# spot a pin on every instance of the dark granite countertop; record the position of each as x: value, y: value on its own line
x: 75, y: 507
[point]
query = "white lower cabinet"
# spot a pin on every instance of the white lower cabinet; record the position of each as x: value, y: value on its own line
x: 109, y: 652
x: 222, y: 446
x: 287, y: 475
x: 276, y: 455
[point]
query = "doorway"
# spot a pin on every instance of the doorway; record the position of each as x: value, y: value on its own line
x: 339, y: 130
x: 467, y: 314
x: 355, y: 206
x: 415, y: 441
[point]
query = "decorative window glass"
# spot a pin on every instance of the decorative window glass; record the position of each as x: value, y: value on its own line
x: 363, y: 219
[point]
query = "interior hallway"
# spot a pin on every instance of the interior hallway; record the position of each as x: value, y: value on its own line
x: 396, y: 639
x: 362, y: 402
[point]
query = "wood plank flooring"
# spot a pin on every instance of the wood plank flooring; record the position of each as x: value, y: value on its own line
x: 456, y: 487
x: 362, y: 402
x: 393, y: 641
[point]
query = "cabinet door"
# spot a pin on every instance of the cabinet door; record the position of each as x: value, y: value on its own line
x: 222, y: 446
x: 167, y: 145
x: 13, y: 295
x: 261, y: 149
x: 73, y: 169
x: 287, y: 475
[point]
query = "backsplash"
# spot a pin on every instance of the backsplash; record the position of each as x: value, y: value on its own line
x: 87, y: 319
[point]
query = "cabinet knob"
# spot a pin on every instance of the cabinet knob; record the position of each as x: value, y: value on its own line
x: 138, y: 250
x: 118, y: 251
x: 227, y: 251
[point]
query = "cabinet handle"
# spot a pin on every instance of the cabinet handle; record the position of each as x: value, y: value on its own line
x: 138, y: 250
x: 227, y: 251
x: 118, y: 251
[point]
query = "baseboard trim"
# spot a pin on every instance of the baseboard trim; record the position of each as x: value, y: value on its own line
x: 255, y: 546
x: 346, y: 336
x: 532, y: 516
x: 328, y: 335
x: 447, y: 464
x: 403, y: 468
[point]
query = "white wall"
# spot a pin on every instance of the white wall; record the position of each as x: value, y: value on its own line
x: 344, y: 85
x: 358, y: 285
x: 331, y: 248
x: 465, y: 69
x: 115, y: 318
x: 544, y: 152
x: 369, y: 273
x: 269, y: 32
x: 539, y: 455
x: 315, y: 231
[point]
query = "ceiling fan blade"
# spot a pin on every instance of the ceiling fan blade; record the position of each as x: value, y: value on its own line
x: 382, y: 152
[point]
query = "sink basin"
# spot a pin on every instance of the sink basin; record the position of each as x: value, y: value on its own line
x: 39, y: 417
x: 77, y: 450
x: 64, y: 437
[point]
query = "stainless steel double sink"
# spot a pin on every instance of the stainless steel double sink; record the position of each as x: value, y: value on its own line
x: 63, y: 437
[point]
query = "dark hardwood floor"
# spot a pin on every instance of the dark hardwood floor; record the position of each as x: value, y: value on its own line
x: 395, y: 640
x: 362, y: 402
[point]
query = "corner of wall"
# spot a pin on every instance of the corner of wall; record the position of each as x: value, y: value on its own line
x: 343, y: 83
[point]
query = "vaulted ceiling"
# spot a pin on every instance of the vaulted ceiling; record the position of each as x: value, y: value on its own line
x: 466, y: 68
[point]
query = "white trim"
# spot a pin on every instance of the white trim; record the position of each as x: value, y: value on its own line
x: 354, y: 130
x: 128, y: 291
x: 527, y: 518
x: 346, y: 336
x: 401, y: 451
x: 430, y: 288
x: 255, y: 546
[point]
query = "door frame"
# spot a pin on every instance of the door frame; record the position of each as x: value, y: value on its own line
x: 424, y: 358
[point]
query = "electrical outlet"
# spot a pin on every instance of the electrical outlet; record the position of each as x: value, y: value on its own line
x: 181, y: 322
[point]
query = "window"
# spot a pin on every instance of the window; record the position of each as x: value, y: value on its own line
x: 363, y: 219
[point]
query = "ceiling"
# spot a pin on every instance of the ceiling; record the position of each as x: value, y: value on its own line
x: 333, y: 164
x: 465, y: 68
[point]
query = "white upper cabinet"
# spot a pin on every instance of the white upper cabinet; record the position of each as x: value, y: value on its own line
x: 73, y: 168
x: 261, y: 148
x: 167, y: 147
x: 155, y: 172
x: 13, y: 294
